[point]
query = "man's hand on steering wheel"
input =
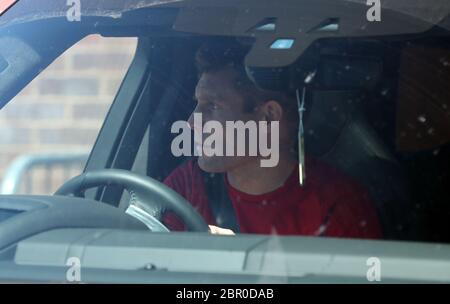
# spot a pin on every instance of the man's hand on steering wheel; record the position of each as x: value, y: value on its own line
x: 150, y: 199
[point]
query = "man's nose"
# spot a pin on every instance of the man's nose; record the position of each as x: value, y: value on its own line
x: 190, y: 121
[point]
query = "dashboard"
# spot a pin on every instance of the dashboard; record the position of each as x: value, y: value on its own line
x: 42, y: 237
x: 7, y: 213
x: 22, y: 216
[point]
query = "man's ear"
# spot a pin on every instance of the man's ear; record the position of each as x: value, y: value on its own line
x: 272, y: 111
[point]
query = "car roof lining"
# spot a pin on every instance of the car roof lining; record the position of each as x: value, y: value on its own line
x: 29, y: 10
x: 237, y: 18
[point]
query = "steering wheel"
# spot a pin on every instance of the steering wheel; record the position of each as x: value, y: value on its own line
x: 149, y: 198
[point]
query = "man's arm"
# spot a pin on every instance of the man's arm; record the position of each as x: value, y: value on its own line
x: 176, y: 182
x: 181, y: 180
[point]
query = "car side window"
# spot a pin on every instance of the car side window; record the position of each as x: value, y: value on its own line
x: 58, y: 115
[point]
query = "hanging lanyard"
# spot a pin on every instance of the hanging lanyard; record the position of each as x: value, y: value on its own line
x: 301, y: 137
x: 301, y: 130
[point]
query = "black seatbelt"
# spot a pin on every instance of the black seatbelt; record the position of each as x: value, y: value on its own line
x: 221, y: 205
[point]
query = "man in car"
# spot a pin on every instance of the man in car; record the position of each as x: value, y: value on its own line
x: 266, y: 200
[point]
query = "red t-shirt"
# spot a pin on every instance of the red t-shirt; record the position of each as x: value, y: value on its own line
x: 329, y: 204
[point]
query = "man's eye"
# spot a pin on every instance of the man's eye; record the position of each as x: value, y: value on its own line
x: 213, y: 106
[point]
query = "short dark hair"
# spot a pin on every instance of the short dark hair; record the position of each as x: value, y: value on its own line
x: 219, y: 54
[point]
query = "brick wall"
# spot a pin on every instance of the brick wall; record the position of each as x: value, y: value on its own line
x: 63, y: 108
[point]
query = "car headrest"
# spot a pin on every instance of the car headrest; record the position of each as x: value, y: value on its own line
x: 336, y: 125
x: 334, y: 97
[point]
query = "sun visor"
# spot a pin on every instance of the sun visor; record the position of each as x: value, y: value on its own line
x: 282, y: 33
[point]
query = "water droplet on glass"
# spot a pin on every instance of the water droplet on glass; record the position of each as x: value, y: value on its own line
x: 150, y: 266
x: 421, y: 119
x: 310, y: 77
x: 445, y: 62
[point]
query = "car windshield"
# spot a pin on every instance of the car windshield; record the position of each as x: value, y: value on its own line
x: 334, y: 124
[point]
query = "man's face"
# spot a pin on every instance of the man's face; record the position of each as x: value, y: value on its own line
x: 218, y: 100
